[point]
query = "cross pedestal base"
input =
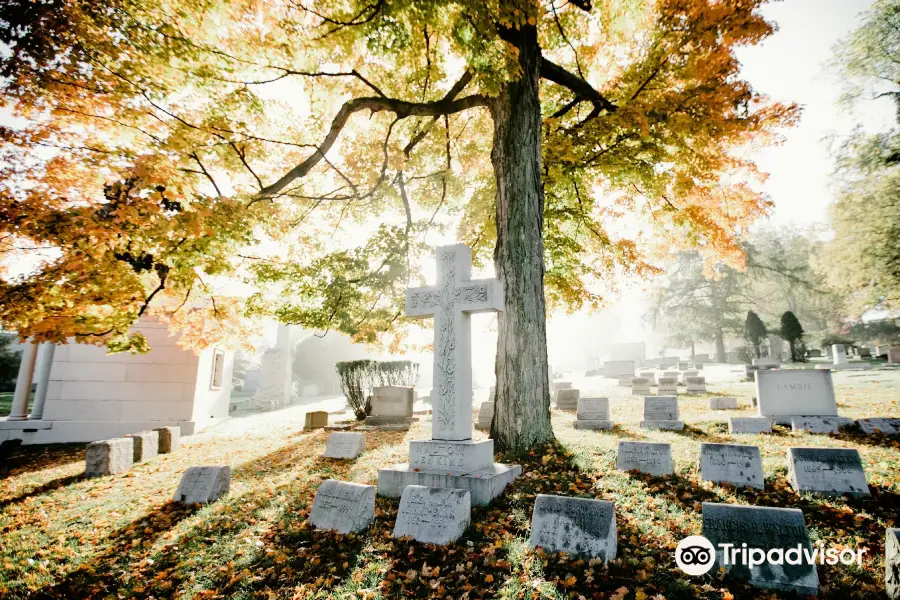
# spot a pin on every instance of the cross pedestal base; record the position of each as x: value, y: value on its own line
x: 484, y: 484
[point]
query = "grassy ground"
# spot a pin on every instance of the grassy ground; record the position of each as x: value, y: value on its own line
x: 6, y: 403
x: 64, y: 536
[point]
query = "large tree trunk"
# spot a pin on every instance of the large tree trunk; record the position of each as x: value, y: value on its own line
x: 720, y: 347
x: 522, y: 409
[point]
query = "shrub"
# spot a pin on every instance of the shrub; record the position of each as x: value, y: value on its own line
x: 360, y: 377
x: 404, y: 373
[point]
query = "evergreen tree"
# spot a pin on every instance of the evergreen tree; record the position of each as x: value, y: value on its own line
x: 792, y: 331
x: 755, y: 332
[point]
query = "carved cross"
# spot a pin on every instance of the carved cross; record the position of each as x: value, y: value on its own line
x: 451, y: 302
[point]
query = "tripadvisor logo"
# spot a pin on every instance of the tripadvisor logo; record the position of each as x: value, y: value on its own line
x: 695, y: 555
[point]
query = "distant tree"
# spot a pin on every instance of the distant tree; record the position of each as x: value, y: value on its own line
x: 792, y: 331
x: 9, y: 362
x: 755, y: 332
x: 877, y: 332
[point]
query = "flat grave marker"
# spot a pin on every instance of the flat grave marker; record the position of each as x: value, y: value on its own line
x: 827, y: 471
x: 736, y: 464
x: 577, y: 526
x: 201, y: 485
x: 749, y: 425
x: 345, y: 444
x: 647, y: 457
x: 433, y: 515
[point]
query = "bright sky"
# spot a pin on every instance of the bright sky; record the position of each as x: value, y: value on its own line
x: 793, y: 65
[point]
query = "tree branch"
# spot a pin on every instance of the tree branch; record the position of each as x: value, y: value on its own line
x: 581, y: 88
x: 450, y: 95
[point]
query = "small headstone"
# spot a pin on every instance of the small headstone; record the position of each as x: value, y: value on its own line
x: 108, y: 457
x: 345, y: 444
x: 392, y: 405
x: 819, y: 424
x: 640, y: 386
x: 593, y: 413
x: 567, y: 399
x: 884, y: 426
x: 827, y: 471
x: 646, y: 457
x: 892, y: 563
x: 732, y: 463
x: 839, y: 354
x: 682, y: 366
x: 749, y: 425
x: 689, y: 373
x: 668, y: 385
x: 649, y: 375
x: 169, y: 439
x: 673, y: 374
x: 624, y: 380
x: 343, y: 506
x: 485, y: 416
x: 695, y: 385
x: 661, y: 412
x: 433, y: 515
x: 727, y: 403
x: 577, y: 526
x: 765, y: 528
x: 146, y: 445
x: 201, y: 485
x: 316, y: 419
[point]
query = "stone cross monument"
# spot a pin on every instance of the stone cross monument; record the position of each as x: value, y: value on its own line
x: 451, y: 302
x: 451, y: 458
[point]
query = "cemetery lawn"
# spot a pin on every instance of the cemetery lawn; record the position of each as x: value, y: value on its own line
x: 5, y: 404
x: 64, y: 536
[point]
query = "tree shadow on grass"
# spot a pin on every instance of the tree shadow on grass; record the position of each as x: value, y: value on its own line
x: 101, y: 575
x: 28, y: 459
x: 53, y: 484
x: 855, y: 435
x: 698, y: 434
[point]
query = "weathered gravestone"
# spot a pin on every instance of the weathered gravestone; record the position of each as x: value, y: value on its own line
x: 783, y: 394
x: 567, y: 399
x: 146, y: 445
x: 640, y: 386
x: 661, y: 412
x: 892, y: 563
x: 169, y: 439
x: 316, y: 419
x: 577, y: 526
x: 451, y: 459
x: 485, y: 416
x: 729, y: 526
x: 646, y: 457
x: 109, y: 457
x: 201, y: 485
x: 624, y: 380
x: 345, y: 444
x: 884, y: 426
x: 343, y: 506
x: 593, y: 413
x: 695, y: 385
x: 732, y: 463
x: 727, y: 403
x: 819, y: 424
x: 668, y: 385
x: 827, y: 471
x: 749, y: 425
x: 392, y: 405
x: 649, y: 375
x: 433, y: 515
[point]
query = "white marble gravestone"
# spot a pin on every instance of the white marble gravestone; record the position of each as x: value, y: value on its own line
x: 343, y: 506
x: 765, y: 528
x: 451, y: 459
x: 203, y: 484
x: 646, y: 457
x: 695, y: 385
x: 577, y: 526
x: 827, y: 471
x: 839, y: 354
x: 392, y: 405
x: 345, y: 444
x: 668, y: 385
x: 783, y: 394
x: 661, y: 412
x: 726, y: 403
x: 640, y: 386
x: 567, y: 399
x: 819, y: 424
x: 749, y: 425
x: 433, y: 515
x: 650, y: 375
x: 736, y: 464
x: 593, y: 413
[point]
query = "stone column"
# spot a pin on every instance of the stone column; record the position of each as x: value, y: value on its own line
x: 19, y: 411
x: 45, y: 362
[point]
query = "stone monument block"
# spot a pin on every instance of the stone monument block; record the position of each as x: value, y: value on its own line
x: 640, y: 386
x: 593, y: 413
x: 732, y: 463
x: 567, y: 399
x: 202, y: 485
x: 433, y: 515
x: 661, y: 412
x: 764, y: 528
x: 827, y: 471
x: 109, y: 457
x: 345, y: 444
x: 749, y: 425
x: 146, y: 445
x: 169, y: 439
x: 343, y: 506
x: 316, y: 419
x: 783, y: 394
x: 668, y: 385
x: 577, y: 526
x: 695, y: 385
x: 646, y: 457
x: 819, y: 424
x: 726, y: 403
x: 649, y: 375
